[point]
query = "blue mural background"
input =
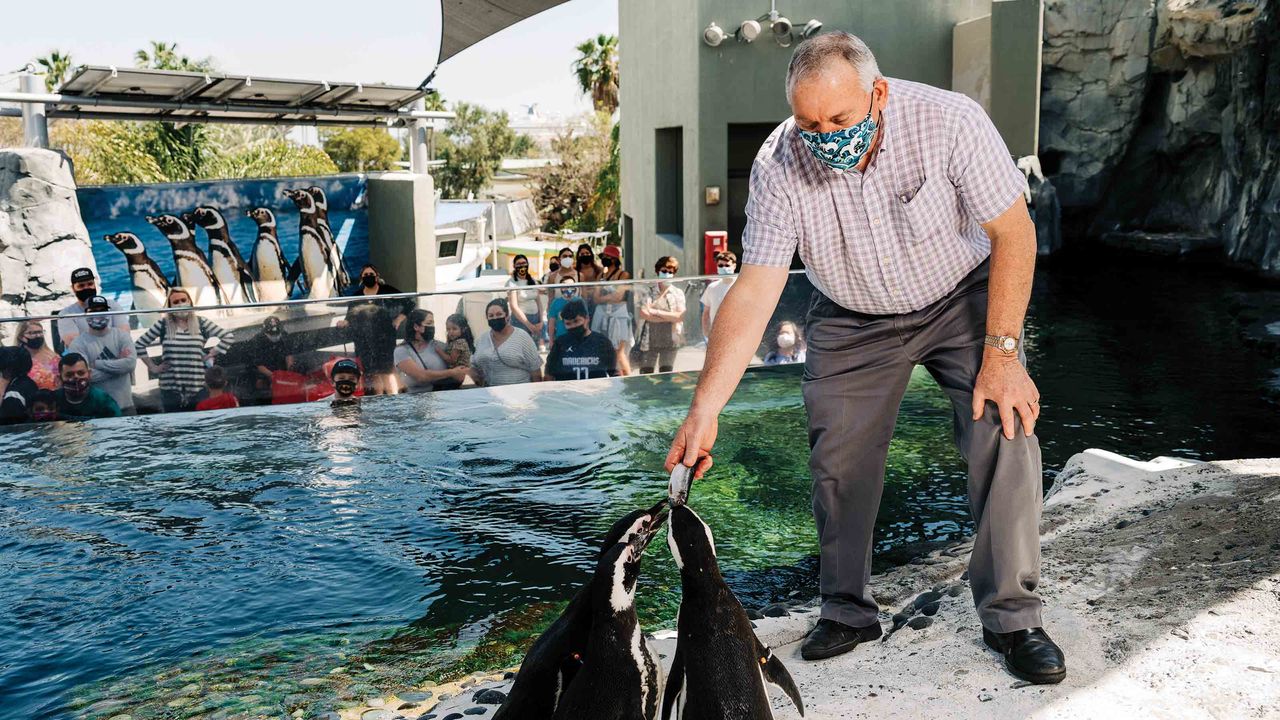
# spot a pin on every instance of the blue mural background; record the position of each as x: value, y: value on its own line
x: 123, y: 208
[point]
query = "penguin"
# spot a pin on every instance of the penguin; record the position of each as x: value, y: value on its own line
x: 315, y: 262
x: 193, y: 271
x: 228, y: 264
x: 621, y: 676
x: 720, y: 667
x: 556, y: 656
x: 150, y: 286
x: 322, y: 222
x: 268, y: 264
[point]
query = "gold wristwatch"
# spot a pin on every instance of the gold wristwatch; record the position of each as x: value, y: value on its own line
x: 1004, y: 343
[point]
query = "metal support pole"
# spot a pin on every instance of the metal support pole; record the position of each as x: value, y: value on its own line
x: 35, y: 126
x: 419, y: 154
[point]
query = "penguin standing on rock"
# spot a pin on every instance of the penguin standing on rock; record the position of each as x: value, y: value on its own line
x: 326, y: 231
x: 150, y: 287
x: 720, y: 667
x: 267, y: 259
x: 193, y: 271
x: 228, y: 264
x: 621, y: 677
x: 556, y: 656
x: 315, y: 262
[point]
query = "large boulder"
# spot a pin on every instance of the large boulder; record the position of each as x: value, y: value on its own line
x: 42, y: 238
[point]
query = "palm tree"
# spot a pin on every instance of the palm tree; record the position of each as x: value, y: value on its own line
x: 164, y: 56
x: 56, y: 67
x: 597, y: 71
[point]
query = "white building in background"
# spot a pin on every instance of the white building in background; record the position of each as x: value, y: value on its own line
x: 543, y: 128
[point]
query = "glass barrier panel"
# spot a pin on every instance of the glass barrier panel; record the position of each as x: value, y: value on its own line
x: 82, y: 366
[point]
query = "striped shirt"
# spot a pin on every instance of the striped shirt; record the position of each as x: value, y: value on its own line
x: 512, y: 362
x: 900, y: 235
x: 183, y: 351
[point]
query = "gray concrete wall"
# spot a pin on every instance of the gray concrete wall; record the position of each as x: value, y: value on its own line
x: 402, y: 237
x: 670, y: 77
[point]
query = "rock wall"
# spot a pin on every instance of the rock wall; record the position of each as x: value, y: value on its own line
x: 1164, y: 116
x: 42, y: 238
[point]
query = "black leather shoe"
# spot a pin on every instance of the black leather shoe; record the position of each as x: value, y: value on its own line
x: 1029, y: 654
x: 830, y: 638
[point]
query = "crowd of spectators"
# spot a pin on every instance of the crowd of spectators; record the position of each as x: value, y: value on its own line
x: 582, y: 314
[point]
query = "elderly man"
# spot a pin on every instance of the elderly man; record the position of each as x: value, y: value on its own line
x: 908, y: 214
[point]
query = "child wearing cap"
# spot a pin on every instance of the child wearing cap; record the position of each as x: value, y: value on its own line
x: 109, y: 352
x: 71, y: 318
x: 345, y: 376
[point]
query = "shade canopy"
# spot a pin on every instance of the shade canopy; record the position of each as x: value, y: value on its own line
x: 467, y: 22
x: 177, y: 96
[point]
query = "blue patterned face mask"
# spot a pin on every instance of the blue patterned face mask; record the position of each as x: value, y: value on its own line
x: 842, y: 149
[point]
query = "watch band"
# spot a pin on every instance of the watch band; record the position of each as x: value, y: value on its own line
x: 1004, y: 343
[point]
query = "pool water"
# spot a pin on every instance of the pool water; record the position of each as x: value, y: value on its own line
x: 268, y: 559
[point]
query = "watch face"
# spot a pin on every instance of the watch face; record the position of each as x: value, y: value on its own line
x: 1009, y: 344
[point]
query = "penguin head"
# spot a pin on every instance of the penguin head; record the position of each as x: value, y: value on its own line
x: 126, y: 242
x: 690, y: 540
x: 263, y: 216
x: 302, y: 199
x: 205, y: 216
x: 628, y: 525
x: 317, y: 194
x: 619, y: 567
x: 171, y: 225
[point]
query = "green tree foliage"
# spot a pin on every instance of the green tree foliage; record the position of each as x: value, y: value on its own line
x: 472, y: 148
x: 56, y: 68
x: 181, y: 151
x: 596, y: 70
x: 272, y: 157
x: 362, y: 149
x: 106, y: 152
x: 571, y: 195
x: 522, y: 147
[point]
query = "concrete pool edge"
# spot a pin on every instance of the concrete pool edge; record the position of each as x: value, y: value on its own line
x: 1161, y: 582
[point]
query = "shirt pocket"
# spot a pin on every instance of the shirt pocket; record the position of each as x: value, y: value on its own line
x: 930, y: 209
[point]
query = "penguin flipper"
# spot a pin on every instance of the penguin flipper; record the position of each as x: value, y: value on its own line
x: 775, y: 672
x: 675, y: 686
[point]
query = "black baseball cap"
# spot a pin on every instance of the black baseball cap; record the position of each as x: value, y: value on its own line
x: 97, y: 303
x: 83, y: 274
x: 346, y: 365
x: 575, y: 308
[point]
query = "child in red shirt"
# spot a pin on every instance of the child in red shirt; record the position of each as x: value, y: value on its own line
x: 215, y: 381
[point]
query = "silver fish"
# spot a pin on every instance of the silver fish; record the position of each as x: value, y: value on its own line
x: 678, y: 487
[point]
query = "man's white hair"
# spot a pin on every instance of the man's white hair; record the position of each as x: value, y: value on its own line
x: 817, y: 53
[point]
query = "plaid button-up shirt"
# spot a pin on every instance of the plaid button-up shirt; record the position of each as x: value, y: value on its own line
x: 900, y: 235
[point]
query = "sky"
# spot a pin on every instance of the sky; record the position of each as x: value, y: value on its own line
x: 391, y: 41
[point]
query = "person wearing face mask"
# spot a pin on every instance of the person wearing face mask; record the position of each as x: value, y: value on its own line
x: 586, y: 266
x: 661, y: 320
x: 184, y: 339
x: 44, y: 361
x: 372, y: 326
x: 726, y: 266
x: 44, y: 407
x: 268, y: 352
x: 580, y: 354
x: 562, y: 268
x: 506, y: 354
x: 612, y: 316
x: 908, y: 211
x: 786, y: 345
x: 564, y: 295
x: 17, y: 389
x: 345, y: 376
x: 419, y: 359
x: 110, y: 353
x: 71, y: 318
x: 527, y: 306
x: 78, y: 399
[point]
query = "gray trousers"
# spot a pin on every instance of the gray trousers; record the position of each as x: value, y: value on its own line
x: 856, y: 372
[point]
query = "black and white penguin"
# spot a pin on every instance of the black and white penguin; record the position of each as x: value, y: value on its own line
x: 270, y: 270
x: 193, y: 271
x: 315, y: 262
x: 720, y: 667
x: 620, y: 677
x: 150, y: 286
x: 228, y: 264
x: 322, y: 222
x: 555, y: 657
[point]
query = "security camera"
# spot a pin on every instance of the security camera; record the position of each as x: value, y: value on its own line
x: 781, y: 27
x: 713, y: 35
x: 811, y: 28
x: 749, y: 30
